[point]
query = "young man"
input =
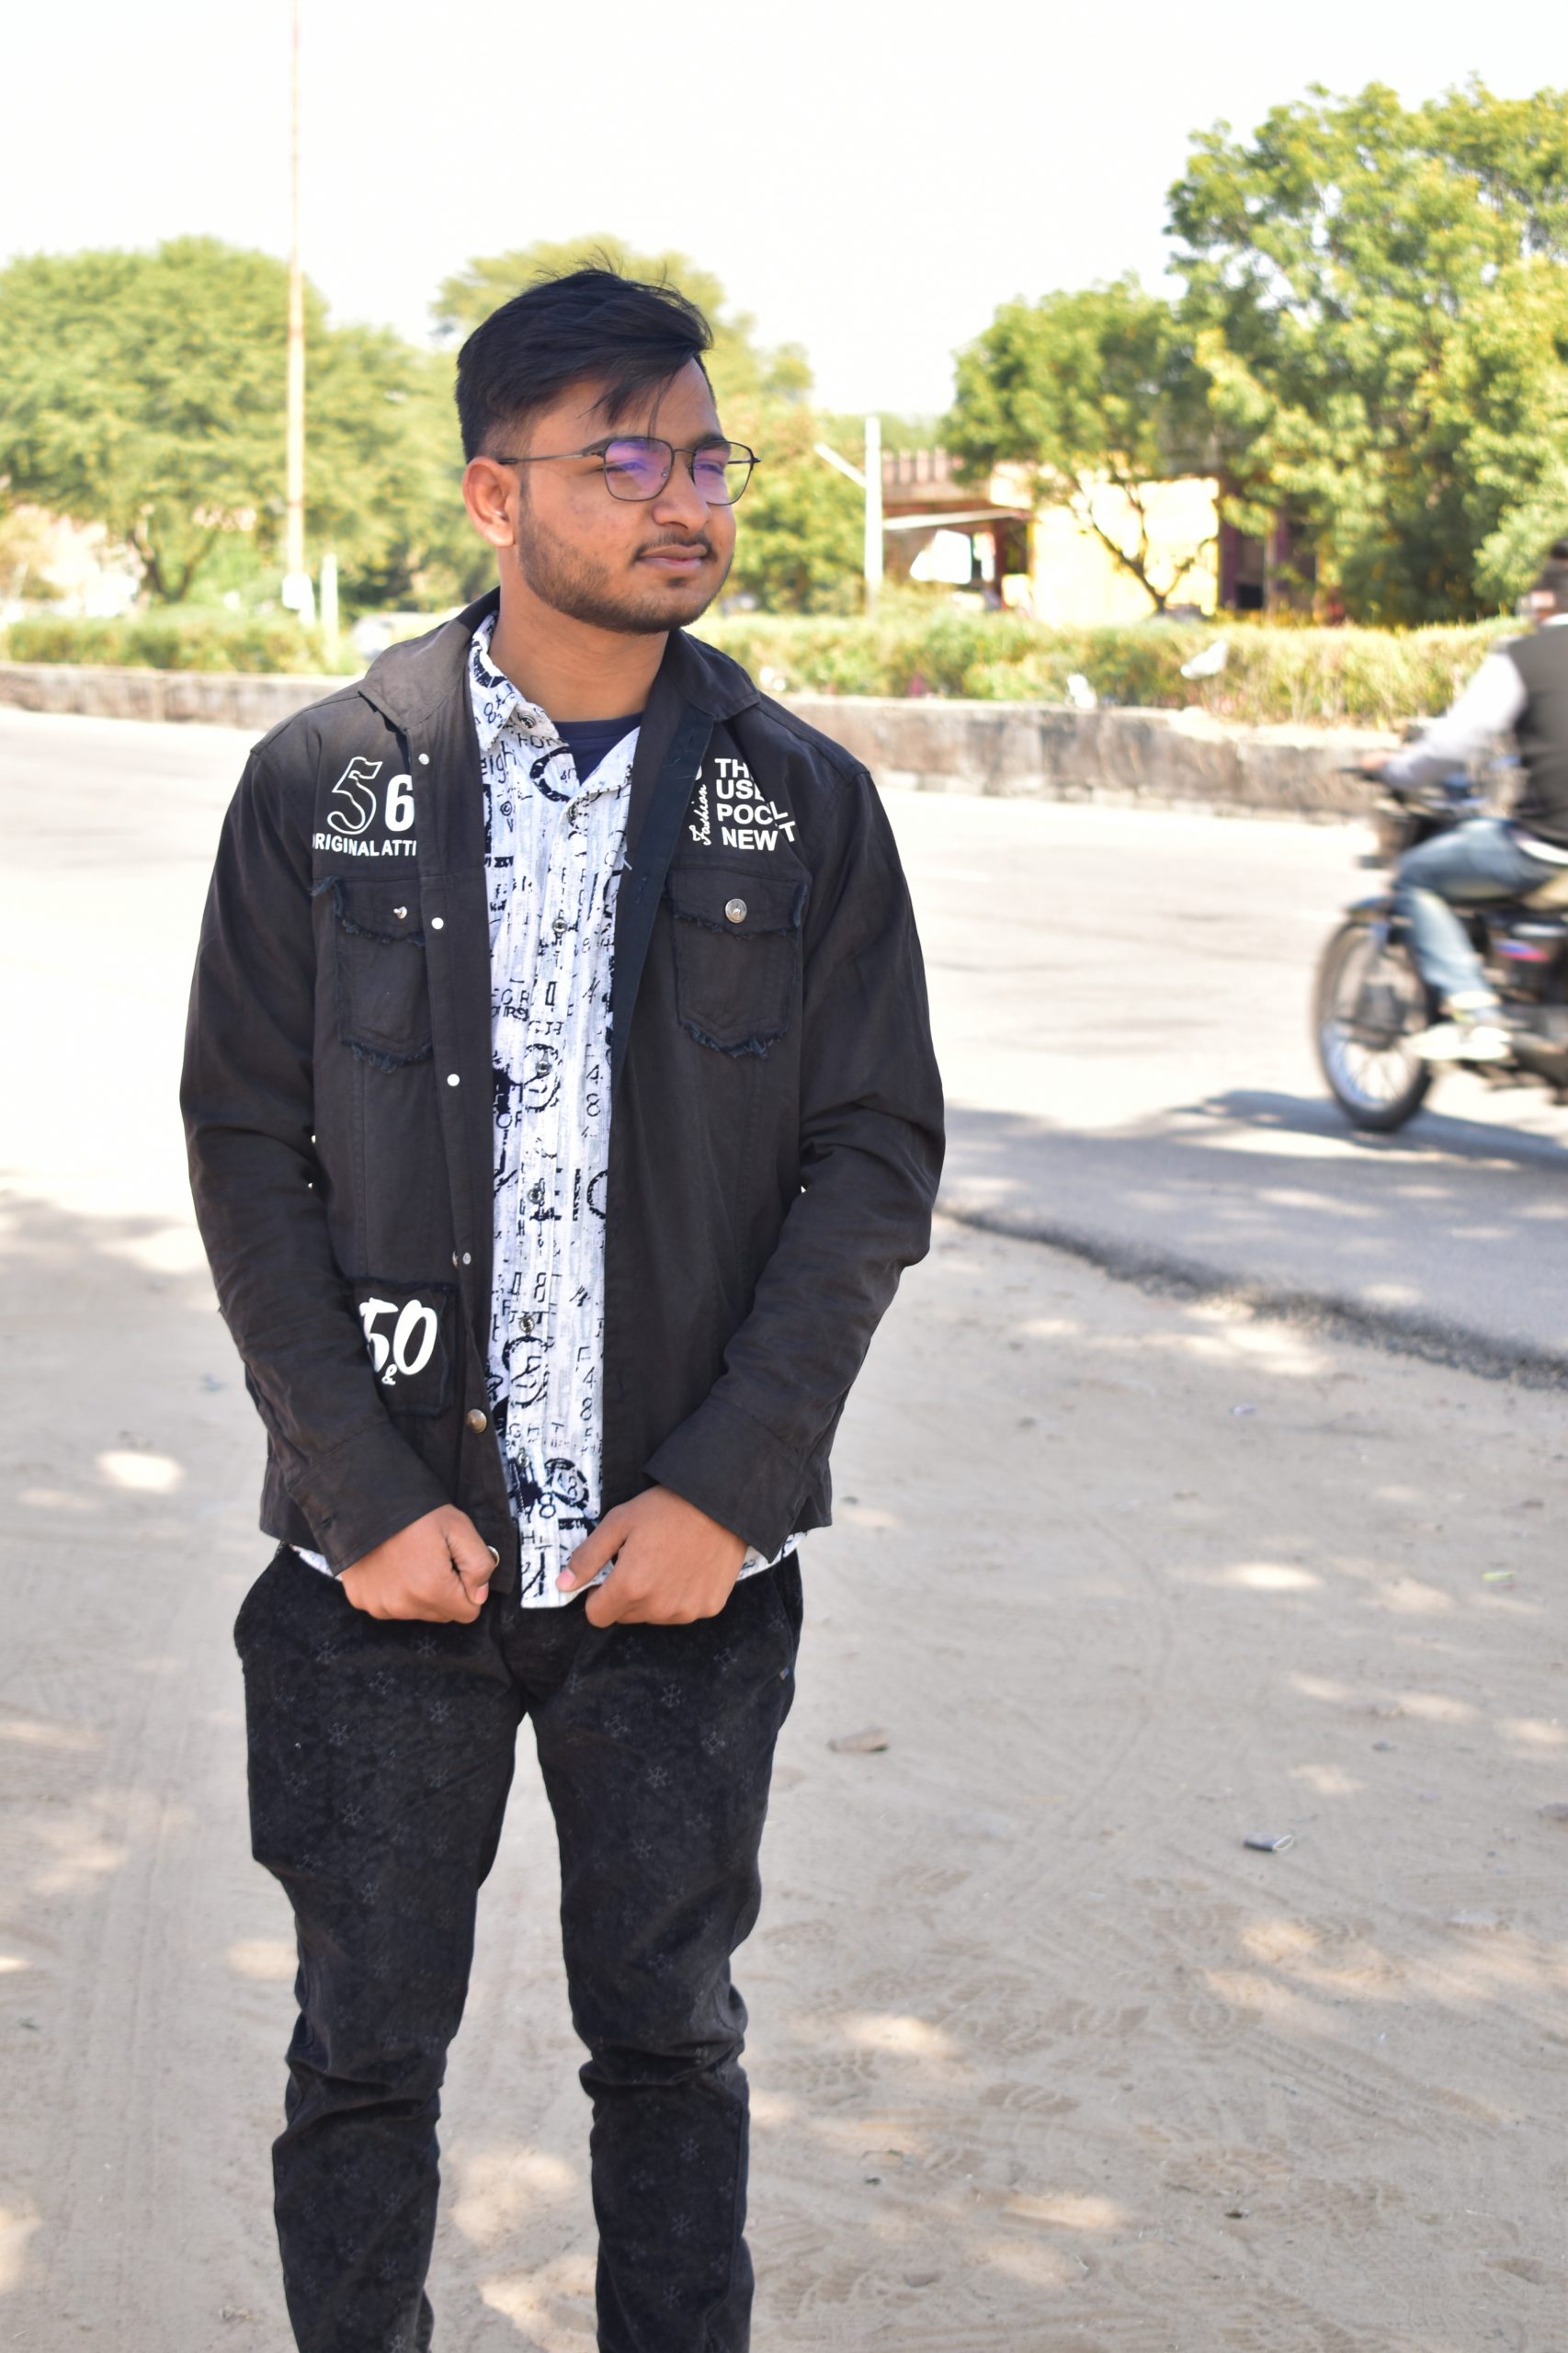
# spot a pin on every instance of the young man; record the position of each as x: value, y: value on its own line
x: 562, y: 1113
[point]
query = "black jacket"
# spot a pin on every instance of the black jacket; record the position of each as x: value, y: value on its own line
x: 1541, y: 733
x: 776, y: 1133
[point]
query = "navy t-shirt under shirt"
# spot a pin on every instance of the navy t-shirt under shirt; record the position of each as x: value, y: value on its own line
x: 588, y: 740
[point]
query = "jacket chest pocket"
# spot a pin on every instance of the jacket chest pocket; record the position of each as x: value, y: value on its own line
x: 737, y: 952
x: 384, y: 993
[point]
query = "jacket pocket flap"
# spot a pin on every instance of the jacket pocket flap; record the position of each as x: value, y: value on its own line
x: 376, y: 906
x: 744, y: 900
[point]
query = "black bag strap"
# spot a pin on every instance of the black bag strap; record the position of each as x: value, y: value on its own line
x: 647, y: 864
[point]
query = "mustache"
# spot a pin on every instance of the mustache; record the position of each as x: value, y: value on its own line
x: 698, y: 543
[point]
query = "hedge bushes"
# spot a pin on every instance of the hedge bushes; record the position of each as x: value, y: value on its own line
x: 170, y: 640
x: 1357, y: 676
x: 1314, y: 676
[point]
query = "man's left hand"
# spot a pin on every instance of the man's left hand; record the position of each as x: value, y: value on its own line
x: 672, y: 1563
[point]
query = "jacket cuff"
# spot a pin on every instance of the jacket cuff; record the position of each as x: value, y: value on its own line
x: 363, y: 1492
x: 734, y: 1470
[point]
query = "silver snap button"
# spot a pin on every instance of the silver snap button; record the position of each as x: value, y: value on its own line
x: 437, y: 923
x: 452, y: 1079
x: 401, y: 913
x: 735, y: 910
x: 423, y: 759
x: 467, y: 1257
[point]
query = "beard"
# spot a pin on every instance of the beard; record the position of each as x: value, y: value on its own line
x: 563, y: 576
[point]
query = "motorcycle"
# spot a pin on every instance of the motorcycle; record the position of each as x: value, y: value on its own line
x: 1370, y: 999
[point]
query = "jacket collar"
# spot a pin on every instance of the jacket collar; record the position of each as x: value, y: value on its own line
x: 409, y: 683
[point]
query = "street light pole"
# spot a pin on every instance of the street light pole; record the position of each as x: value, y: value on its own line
x: 869, y: 484
x: 297, y: 593
x: 873, y: 541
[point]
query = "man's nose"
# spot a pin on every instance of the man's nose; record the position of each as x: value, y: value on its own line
x: 680, y: 502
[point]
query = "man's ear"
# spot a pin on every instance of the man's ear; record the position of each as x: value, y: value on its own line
x: 491, y: 494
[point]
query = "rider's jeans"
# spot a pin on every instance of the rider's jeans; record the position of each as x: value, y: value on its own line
x: 1476, y: 862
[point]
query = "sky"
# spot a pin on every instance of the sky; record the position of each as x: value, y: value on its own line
x: 866, y: 180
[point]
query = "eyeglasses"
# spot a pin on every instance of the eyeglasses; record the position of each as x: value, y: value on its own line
x: 637, y: 468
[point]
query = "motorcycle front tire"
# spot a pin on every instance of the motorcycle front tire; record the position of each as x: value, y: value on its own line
x: 1379, y: 1104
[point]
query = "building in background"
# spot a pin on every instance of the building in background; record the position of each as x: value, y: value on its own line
x: 1054, y: 561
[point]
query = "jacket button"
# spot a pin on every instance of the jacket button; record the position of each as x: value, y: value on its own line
x: 451, y: 1078
x: 475, y: 1419
x: 735, y: 910
x: 437, y: 923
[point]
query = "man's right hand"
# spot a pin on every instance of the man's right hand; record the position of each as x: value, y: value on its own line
x: 438, y: 1568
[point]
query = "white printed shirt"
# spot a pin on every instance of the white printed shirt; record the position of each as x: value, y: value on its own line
x: 556, y: 849
x: 555, y: 852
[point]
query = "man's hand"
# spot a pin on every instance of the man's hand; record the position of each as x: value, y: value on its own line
x: 672, y: 1563
x: 436, y: 1568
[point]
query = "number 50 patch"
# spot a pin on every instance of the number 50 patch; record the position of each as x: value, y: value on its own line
x: 408, y: 1330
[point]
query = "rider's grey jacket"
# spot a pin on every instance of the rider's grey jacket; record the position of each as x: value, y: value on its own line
x: 776, y: 1136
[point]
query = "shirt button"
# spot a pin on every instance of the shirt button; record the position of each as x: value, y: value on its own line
x: 437, y: 923
x: 453, y: 1079
x: 476, y: 1420
x: 735, y: 910
x: 467, y: 1257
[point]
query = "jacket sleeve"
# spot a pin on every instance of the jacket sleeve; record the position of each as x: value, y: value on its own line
x: 870, y: 1157
x: 248, y: 1097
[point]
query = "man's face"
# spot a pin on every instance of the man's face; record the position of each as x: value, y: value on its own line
x: 632, y: 565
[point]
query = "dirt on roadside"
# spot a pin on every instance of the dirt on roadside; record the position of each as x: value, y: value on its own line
x: 1045, y: 2056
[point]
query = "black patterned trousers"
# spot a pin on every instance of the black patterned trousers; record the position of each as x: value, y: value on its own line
x: 381, y: 1756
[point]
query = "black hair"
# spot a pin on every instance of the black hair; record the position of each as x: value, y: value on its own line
x: 1553, y: 578
x: 624, y: 333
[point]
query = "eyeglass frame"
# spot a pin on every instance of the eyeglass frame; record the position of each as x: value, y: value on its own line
x: 688, y: 450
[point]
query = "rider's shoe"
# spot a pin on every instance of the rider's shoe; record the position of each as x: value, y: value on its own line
x: 1461, y: 1039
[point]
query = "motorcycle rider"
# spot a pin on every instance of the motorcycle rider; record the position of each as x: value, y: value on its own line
x: 1521, y: 687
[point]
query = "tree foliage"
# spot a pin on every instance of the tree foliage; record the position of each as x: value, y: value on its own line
x: 1088, y: 390
x: 146, y: 391
x: 1379, y: 297
x: 1373, y: 339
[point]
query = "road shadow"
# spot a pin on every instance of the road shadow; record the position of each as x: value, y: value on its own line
x: 1431, y: 1131
x: 1451, y: 1238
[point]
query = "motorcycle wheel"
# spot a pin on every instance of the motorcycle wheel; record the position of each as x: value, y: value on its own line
x: 1370, y: 1001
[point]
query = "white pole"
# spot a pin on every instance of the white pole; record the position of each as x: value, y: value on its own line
x: 297, y: 594
x: 329, y: 602
x: 873, y: 553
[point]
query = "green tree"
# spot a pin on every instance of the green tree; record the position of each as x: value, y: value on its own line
x: 146, y: 391
x: 1088, y: 390
x: 799, y: 542
x: 1378, y: 297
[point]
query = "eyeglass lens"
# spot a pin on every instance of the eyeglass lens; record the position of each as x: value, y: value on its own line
x: 640, y: 469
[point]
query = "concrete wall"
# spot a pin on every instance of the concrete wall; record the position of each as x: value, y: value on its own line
x: 214, y: 698
x: 1157, y: 759
x: 1150, y: 758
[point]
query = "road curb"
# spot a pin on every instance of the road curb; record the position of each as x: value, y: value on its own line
x: 1337, y: 1315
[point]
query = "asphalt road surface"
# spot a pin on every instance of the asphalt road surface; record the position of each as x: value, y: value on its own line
x: 1122, y: 1007
x: 1045, y: 2056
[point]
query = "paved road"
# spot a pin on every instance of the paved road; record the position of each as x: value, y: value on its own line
x: 1121, y: 1002
x: 1121, y: 1006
